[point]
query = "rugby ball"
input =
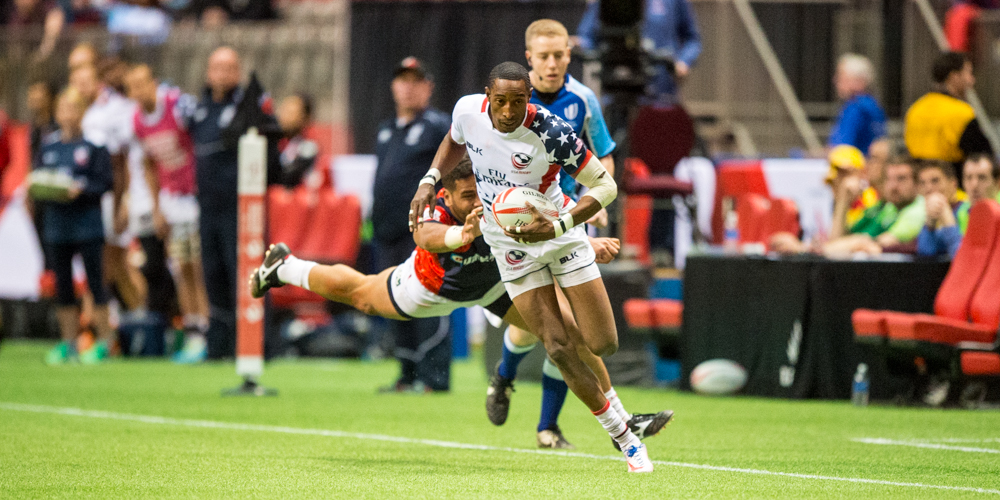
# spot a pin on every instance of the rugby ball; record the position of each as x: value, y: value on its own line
x: 718, y: 376
x: 510, y: 208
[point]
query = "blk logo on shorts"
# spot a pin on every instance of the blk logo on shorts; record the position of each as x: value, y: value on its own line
x: 520, y: 160
x: 568, y: 258
x: 515, y: 257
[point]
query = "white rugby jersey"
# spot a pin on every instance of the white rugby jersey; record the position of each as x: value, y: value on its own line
x: 108, y: 122
x: 532, y: 156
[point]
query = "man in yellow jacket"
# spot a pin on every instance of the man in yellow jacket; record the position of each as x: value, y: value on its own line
x: 941, y: 125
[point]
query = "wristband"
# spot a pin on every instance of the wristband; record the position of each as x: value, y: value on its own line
x: 432, y: 177
x: 453, y: 237
x: 563, y: 223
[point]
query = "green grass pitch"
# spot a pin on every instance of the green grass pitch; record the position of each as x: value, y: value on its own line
x: 150, y: 429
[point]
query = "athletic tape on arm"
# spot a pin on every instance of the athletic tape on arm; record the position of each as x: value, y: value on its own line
x: 602, y: 186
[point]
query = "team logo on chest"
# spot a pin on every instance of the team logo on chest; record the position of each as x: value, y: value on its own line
x: 572, y: 111
x: 520, y: 160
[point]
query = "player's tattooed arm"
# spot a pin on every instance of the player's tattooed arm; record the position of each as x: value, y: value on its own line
x: 448, y: 155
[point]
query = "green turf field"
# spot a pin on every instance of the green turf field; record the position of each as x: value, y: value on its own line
x: 140, y: 429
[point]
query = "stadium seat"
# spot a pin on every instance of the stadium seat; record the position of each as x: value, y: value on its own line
x: 752, y: 210
x: 661, y: 316
x: 954, y: 298
x: 288, y: 215
x: 980, y: 363
x: 782, y: 218
x: 334, y: 230
x: 638, y: 212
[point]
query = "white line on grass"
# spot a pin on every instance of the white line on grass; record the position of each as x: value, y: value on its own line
x: 918, y: 444
x: 210, y: 424
x: 956, y: 440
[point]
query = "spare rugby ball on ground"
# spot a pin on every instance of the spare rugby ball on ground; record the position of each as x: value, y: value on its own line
x: 718, y: 376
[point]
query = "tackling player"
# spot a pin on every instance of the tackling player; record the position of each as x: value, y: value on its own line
x: 514, y: 143
x: 451, y: 268
x: 159, y: 126
x: 547, y: 50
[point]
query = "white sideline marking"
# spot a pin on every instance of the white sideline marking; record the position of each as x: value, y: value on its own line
x: 210, y: 424
x: 918, y: 444
x: 956, y: 440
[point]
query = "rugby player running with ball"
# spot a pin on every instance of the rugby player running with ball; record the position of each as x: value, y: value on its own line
x: 514, y: 143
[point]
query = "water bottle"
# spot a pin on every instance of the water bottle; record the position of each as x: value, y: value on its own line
x: 859, y: 390
x: 731, y: 229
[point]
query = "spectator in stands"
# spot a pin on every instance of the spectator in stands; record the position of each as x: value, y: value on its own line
x: 669, y: 26
x: 878, y: 156
x: 298, y: 154
x: 216, y: 13
x: 893, y: 222
x: 212, y: 120
x: 861, y: 120
x: 36, y: 13
x: 406, y: 146
x: 40, y: 100
x: 941, y: 234
x: 982, y: 181
x: 73, y: 225
x: 851, y: 196
x: 958, y: 21
x: 941, y: 125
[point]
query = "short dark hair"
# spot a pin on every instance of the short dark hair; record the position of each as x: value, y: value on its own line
x: 994, y: 166
x: 946, y: 168
x: 904, y: 160
x: 946, y: 64
x: 509, y: 71
x: 461, y: 171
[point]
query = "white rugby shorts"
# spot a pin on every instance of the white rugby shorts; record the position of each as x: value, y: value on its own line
x: 413, y: 300
x: 568, y: 259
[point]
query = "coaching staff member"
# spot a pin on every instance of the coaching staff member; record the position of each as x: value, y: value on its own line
x: 405, y: 147
x: 214, y: 125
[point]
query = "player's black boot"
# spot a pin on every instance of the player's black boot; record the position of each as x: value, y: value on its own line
x: 265, y: 277
x: 644, y: 425
x: 498, y: 398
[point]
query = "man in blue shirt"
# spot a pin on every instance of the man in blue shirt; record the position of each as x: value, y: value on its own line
x: 405, y: 146
x: 861, y: 120
x: 670, y: 25
x: 548, y: 52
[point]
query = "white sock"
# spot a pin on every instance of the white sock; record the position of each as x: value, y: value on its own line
x: 295, y: 271
x: 617, y: 404
x: 613, y: 423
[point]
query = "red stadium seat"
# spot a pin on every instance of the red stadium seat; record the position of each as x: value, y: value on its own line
x: 638, y: 212
x: 288, y: 214
x: 334, y: 232
x: 639, y: 314
x: 782, y: 218
x: 952, y: 304
x: 654, y: 315
x: 752, y: 210
x: 980, y: 363
x: 667, y: 313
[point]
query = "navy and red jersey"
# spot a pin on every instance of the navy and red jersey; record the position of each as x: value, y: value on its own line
x: 463, y: 274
